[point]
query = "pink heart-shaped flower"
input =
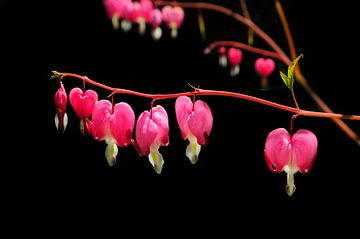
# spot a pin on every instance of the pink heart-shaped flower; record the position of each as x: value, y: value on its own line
x: 264, y: 67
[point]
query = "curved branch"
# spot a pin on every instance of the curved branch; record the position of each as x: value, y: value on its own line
x: 244, y: 47
x: 284, y: 58
x: 204, y: 92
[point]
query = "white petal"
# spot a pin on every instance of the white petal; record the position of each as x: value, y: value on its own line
x: 57, y: 121
x: 126, y: 25
x: 65, y: 121
x: 111, y: 153
x: 235, y: 70
x: 156, y: 33
x: 142, y: 26
x: 193, y: 150
x: 223, y: 61
x: 115, y: 22
x: 156, y: 160
x: 174, y: 31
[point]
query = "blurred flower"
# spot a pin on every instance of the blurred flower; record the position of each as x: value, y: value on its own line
x: 173, y: 17
x: 235, y: 58
x: 222, y: 57
x: 264, y: 68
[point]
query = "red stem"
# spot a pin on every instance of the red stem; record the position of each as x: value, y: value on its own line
x: 204, y: 92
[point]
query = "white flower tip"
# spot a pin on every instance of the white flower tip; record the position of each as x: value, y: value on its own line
x: 111, y: 153
x: 290, y: 189
x: 115, y: 22
x: 223, y: 61
x: 235, y: 70
x: 192, y: 151
x: 142, y: 26
x: 174, y: 32
x: 156, y: 160
x: 61, y: 124
x: 156, y: 33
x: 206, y: 51
x: 126, y: 25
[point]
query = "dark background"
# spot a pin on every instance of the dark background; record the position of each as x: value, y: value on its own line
x: 230, y: 178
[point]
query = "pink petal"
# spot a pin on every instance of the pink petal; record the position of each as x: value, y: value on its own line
x: 122, y: 124
x: 201, y: 121
x: 60, y: 99
x: 222, y: 50
x: 100, y: 117
x: 156, y: 17
x: 304, y: 145
x: 83, y: 103
x: 235, y: 56
x: 90, y: 128
x: 166, y: 14
x: 277, y: 149
x: 264, y: 67
x: 146, y: 9
x: 145, y: 133
x: 160, y: 118
x: 183, y: 109
x: 178, y: 16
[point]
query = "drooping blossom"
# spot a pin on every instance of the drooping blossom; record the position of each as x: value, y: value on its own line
x: 222, y: 57
x: 115, y: 10
x: 60, y: 100
x: 142, y: 14
x: 291, y: 154
x: 195, y: 122
x: 114, y: 125
x: 156, y: 19
x: 173, y: 17
x: 264, y: 68
x: 152, y: 131
x: 235, y: 57
x: 83, y: 104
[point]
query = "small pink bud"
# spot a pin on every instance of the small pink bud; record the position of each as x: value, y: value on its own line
x: 291, y: 154
x: 235, y: 58
x: 195, y: 122
x: 152, y: 131
x: 114, y: 125
x: 264, y: 67
x: 222, y: 57
x: 60, y: 100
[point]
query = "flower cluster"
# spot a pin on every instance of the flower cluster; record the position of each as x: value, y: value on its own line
x: 263, y: 67
x: 143, y: 12
x: 115, y: 123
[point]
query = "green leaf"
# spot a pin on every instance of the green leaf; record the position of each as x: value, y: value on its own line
x: 291, y: 68
x: 286, y: 80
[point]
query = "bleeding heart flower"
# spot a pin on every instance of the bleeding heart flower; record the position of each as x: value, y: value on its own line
x: 83, y: 104
x: 222, y: 57
x: 173, y: 17
x: 115, y: 10
x: 152, y: 131
x: 290, y: 153
x: 156, y: 19
x: 61, y: 118
x: 142, y: 14
x: 264, y: 67
x: 235, y: 57
x: 195, y: 122
x: 114, y: 125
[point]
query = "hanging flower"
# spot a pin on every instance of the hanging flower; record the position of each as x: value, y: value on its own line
x: 156, y: 19
x: 152, y: 131
x: 83, y: 104
x: 291, y: 154
x: 60, y: 100
x: 114, y: 125
x: 173, y: 17
x: 142, y: 14
x: 264, y: 68
x: 195, y: 122
x: 235, y: 57
x: 222, y: 57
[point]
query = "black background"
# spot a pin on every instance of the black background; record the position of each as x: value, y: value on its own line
x: 230, y: 178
